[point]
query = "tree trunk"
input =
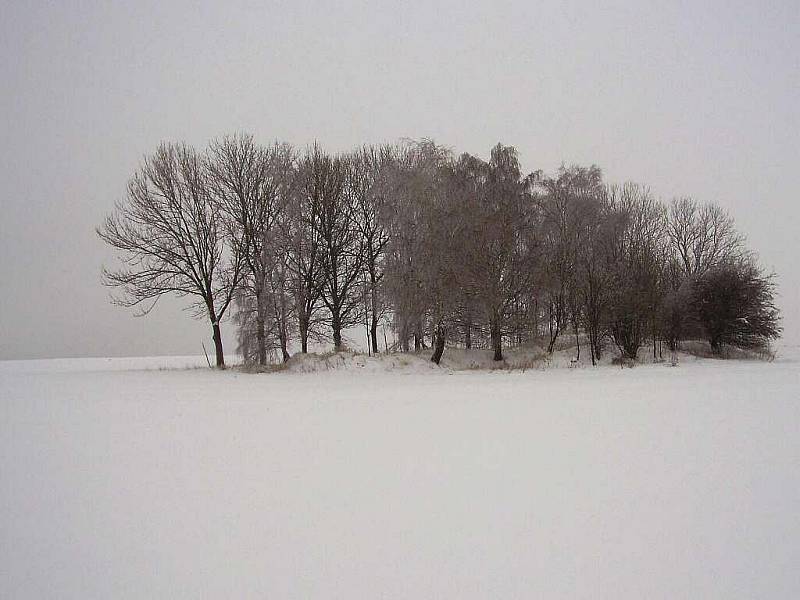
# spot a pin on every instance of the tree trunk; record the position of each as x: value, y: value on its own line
x: 261, y: 344
x: 438, y: 345
x: 283, y: 337
x: 218, y: 345
x: 554, y: 331
x: 594, y: 346
x: 373, y: 331
x: 468, y: 336
x: 303, y: 327
x: 598, y: 351
x: 284, y: 331
x: 260, y: 340
x: 284, y: 349
x: 336, y: 326
x: 497, y: 341
x: 373, y: 289
x: 419, y: 336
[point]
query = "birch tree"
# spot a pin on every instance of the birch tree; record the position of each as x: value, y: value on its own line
x: 501, y: 260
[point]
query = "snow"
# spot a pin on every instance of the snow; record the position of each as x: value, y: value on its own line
x: 126, y: 478
x: 133, y: 363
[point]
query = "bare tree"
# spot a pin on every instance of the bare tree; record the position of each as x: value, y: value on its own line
x: 302, y: 244
x: 251, y: 183
x: 594, y: 272
x: 369, y: 182
x: 325, y: 182
x: 636, y: 253
x: 467, y: 186
x: 564, y: 217
x: 701, y: 236
x: 172, y: 239
x: 277, y: 303
x: 278, y: 294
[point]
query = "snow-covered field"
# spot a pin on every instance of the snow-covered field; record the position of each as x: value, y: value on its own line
x: 401, y: 482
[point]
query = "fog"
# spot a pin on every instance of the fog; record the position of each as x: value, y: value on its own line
x: 691, y: 100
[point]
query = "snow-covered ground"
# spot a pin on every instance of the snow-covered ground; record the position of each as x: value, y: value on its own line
x: 399, y: 481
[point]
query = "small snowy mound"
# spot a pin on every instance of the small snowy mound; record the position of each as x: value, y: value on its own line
x: 520, y: 358
x: 347, y: 360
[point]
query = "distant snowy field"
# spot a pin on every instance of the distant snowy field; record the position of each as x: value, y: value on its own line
x: 121, y: 478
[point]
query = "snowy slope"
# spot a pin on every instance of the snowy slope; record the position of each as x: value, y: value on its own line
x: 653, y: 482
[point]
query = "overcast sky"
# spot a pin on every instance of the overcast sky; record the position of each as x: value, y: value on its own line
x: 698, y: 98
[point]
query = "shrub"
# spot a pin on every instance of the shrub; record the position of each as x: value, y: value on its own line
x: 734, y: 305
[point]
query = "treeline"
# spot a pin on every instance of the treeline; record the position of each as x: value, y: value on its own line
x: 446, y: 249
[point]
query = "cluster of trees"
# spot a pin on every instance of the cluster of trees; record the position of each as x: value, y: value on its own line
x: 446, y: 249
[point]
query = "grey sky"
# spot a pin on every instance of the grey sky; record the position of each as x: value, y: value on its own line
x: 694, y: 98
